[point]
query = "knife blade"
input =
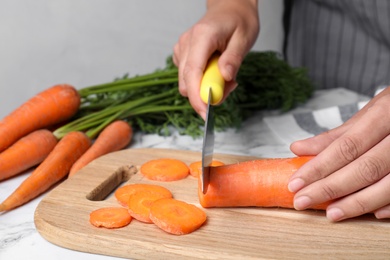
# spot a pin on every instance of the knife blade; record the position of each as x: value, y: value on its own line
x: 211, y: 92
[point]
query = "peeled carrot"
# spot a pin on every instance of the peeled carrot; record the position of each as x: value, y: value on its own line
x: 27, y: 152
x: 54, y: 105
x: 176, y: 217
x: 55, y: 167
x: 110, y: 217
x: 140, y: 202
x: 113, y: 138
x: 165, y: 169
x: 260, y: 183
x: 196, y: 167
x: 123, y: 193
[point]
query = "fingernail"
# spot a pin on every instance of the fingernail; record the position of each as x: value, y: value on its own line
x: 295, y: 185
x: 302, y: 202
x: 382, y: 213
x: 230, y: 69
x: 334, y: 214
x: 203, y: 114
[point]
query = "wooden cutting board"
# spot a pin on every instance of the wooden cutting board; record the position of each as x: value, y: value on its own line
x: 230, y: 233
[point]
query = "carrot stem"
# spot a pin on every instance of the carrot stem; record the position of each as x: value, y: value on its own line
x: 127, y: 86
x: 149, y: 78
x: 95, y: 122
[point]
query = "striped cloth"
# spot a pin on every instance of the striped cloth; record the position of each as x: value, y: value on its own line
x: 297, y: 126
x: 291, y: 127
x: 342, y: 43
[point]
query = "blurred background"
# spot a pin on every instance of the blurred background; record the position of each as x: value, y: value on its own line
x: 87, y: 42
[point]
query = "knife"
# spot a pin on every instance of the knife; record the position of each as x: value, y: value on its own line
x: 211, y: 92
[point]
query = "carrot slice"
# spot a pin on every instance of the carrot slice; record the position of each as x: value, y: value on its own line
x: 140, y: 202
x: 196, y: 167
x: 176, y: 217
x: 123, y: 193
x: 165, y: 169
x: 110, y: 217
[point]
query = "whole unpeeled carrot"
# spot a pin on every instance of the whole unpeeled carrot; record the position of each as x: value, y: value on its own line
x: 54, y: 168
x: 258, y: 183
x: 49, y: 107
x: 114, y: 137
x: 27, y: 152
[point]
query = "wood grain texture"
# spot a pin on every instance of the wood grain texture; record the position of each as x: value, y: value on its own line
x: 231, y: 233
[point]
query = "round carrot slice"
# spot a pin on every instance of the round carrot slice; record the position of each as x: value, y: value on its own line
x: 176, y: 217
x: 196, y: 167
x: 140, y: 202
x: 110, y: 217
x: 123, y: 193
x: 165, y: 169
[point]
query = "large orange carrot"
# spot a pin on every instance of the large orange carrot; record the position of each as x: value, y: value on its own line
x: 28, y: 151
x: 113, y: 138
x: 54, y: 168
x: 54, y: 105
x: 110, y: 217
x: 260, y: 183
x: 176, y: 217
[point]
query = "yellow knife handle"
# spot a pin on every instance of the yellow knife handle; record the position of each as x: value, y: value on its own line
x: 213, y: 79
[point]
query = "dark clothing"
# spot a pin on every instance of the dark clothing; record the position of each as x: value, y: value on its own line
x: 342, y: 43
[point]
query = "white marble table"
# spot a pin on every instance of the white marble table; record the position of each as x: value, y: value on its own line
x: 20, y: 240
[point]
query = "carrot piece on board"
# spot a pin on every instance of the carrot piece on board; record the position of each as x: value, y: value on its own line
x: 49, y: 107
x: 122, y: 194
x: 110, y: 217
x: 176, y: 217
x: 140, y: 202
x: 260, y: 183
x: 54, y: 168
x: 113, y: 138
x: 165, y: 169
x: 25, y: 153
x: 196, y: 167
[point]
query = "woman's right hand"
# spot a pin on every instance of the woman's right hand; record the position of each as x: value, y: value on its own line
x: 230, y: 27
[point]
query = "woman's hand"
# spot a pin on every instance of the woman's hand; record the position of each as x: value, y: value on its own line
x: 352, y: 165
x: 230, y: 27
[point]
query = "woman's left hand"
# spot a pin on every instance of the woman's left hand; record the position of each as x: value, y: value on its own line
x: 351, y: 167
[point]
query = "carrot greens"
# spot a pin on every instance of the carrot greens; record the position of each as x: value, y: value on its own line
x: 153, y: 104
